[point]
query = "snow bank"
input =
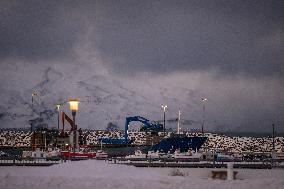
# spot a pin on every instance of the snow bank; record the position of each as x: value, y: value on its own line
x: 99, y: 174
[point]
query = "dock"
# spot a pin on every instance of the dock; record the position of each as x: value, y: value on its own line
x: 199, y: 164
x: 39, y: 162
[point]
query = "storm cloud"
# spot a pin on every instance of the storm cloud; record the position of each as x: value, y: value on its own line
x: 232, y: 37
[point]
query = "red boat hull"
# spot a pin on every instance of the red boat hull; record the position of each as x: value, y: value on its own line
x: 69, y: 154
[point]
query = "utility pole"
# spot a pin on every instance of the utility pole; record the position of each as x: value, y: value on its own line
x: 203, y: 116
x: 273, y: 137
x: 58, y: 122
x: 32, y: 134
x: 58, y: 116
x: 164, y: 110
x: 178, y: 129
x: 33, y: 96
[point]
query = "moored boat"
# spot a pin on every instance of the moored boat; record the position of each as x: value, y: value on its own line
x: 78, y: 154
x: 101, y: 155
x: 224, y: 157
x: 186, y: 156
x: 156, y: 155
x: 138, y: 155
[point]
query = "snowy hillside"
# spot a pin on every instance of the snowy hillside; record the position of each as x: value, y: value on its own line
x: 104, y: 98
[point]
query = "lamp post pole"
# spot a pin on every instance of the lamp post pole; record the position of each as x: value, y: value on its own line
x: 164, y: 110
x: 58, y: 115
x: 203, y: 116
x: 58, y: 118
x: 33, y: 96
x: 178, y: 129
x: 273, y: 140
x: 74, y: 131
x: 73, y: 105
x: 32, y: 134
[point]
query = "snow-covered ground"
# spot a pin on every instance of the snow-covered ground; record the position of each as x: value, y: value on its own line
x: 99, y: 174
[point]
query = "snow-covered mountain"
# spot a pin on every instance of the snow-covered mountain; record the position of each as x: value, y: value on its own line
x: 107, y: 96
x: 104, y: 96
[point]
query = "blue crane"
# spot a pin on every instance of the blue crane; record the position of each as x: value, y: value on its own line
x: 147, y: 125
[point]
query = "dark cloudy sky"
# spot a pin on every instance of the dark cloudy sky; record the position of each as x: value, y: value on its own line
x: 235, y: 46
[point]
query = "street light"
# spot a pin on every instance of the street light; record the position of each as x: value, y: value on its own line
x: 73, y: 106
x: 66, y: 146
x: 204, y: 100
x: 58, y: 115
x: 164, y: 110
x: 33, y: 96
x: 273, y: 141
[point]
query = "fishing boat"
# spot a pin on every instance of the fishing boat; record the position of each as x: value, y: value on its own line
x: 156, y: 155
x: 138, y: 155
x: 224, y: 157
x: 186, y: 156
x: 53, y: 154
x: 165, y: 142
x: 78, y: 154
x: 101, y: 155
x: 179, y: 141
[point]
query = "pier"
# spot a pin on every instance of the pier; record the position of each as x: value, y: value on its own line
x: 198, y: 164
x: 37, y: 162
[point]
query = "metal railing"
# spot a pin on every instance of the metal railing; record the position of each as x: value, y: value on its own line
x: 197, y: 164
x: 10, y: 161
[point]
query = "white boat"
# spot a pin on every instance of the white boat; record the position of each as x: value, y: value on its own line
x: 152, y: 155
x: 189, y: 155
x: 224, y: 157
x: 237, y: 157
x: 137, y: 155
x: 101, y: 155
x: 53, y: 154
x: 3, y: 154
x: 156, y: 155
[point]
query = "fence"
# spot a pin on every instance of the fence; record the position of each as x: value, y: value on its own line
x: 8, y: 161
x: 197, y: 164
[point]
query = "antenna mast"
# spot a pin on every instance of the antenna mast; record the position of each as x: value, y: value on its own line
x: 178, y: 129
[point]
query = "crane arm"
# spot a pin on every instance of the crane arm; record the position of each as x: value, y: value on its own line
x: 68, y: 119
x: 147, y: 125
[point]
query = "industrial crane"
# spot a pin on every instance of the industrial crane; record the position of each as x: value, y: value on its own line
x: 147, y: 126
x: 68, y: 119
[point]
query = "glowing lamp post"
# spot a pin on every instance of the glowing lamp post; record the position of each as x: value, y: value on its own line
x: 73, y: 106
x: 204, y: 100
x: 164, y: 110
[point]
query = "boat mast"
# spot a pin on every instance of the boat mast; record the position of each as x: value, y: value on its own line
x: 178, y: 129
